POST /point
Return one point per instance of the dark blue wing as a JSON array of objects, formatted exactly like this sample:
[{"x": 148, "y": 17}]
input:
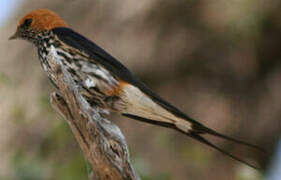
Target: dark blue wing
[{"x": 74, "y": 39}]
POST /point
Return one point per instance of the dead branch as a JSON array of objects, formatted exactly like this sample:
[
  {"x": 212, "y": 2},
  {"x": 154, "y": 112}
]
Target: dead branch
[{"x": 101, "y": 140}]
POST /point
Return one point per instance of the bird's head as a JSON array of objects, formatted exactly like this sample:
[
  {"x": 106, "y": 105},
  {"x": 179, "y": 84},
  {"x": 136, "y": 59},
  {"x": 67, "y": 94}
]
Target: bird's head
[{"x": 35, "y": 23}]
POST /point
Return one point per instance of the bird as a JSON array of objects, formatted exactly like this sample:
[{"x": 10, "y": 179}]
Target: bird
[{"x": 105, "y": 82}]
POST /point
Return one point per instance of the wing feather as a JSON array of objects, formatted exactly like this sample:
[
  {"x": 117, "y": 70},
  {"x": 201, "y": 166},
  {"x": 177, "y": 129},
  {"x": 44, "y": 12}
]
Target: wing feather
[{"x": 96, "y": 53}]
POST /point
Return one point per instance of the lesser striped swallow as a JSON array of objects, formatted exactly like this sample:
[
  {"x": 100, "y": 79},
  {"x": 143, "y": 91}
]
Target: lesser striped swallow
[{"x": 105, "y": 82}]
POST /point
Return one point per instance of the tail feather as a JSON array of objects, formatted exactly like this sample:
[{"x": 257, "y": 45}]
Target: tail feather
[
  {"x": 204, "y": 130},
  {"x": 208, "y": 143},
  {"x": 159, "y": 123},
  {"x": 195, "y": 132}
]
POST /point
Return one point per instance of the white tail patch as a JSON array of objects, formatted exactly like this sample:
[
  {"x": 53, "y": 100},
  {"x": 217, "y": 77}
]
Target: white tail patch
[{"x": 139, "y": 104}]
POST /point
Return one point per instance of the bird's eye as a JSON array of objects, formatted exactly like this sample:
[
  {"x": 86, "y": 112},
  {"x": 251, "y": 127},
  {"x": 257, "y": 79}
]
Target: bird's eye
[{"x": 27, "y": 23}]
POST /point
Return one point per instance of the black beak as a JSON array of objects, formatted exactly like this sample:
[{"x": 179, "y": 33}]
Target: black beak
[{"x": 15, "y": 36}]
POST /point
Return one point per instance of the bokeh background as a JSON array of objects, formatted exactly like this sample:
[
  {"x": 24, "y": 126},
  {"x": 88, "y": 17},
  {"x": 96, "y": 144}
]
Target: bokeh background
[{"x": 219, "y": 61}]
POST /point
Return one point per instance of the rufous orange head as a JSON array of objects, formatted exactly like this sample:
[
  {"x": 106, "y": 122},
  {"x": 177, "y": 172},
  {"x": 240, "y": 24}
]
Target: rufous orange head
[{"x": 36, "y": 22}]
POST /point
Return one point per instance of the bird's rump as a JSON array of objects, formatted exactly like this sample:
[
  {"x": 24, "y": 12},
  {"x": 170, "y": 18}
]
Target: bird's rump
[{"x": 141, "y": 105}]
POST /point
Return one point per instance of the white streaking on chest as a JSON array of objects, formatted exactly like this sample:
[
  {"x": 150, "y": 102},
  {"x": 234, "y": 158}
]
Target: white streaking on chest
[{"x": 90, "y": 73}]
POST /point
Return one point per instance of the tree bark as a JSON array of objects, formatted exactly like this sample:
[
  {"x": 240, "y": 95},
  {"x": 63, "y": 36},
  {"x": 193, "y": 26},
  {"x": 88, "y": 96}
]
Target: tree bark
[{"x": 101, "y": 140}]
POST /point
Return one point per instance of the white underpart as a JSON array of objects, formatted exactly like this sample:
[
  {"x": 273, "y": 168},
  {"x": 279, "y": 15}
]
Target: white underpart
[
  {"x": 44, "y": 67},
  {"x": 89, "y": 83},
  {"x": 52, "y": 56},
  {"x": 53, "y": 53},
  {"x": 139, "y": 104}
]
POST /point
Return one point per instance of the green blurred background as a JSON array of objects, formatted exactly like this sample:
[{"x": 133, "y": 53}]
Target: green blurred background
[{"x": 217, "y": 60}]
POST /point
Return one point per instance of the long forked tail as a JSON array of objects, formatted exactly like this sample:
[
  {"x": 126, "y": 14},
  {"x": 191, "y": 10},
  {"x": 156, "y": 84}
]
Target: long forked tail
[
  {"x": 196, "y": 132},
  {"x": 200, "y": 129},
  {"x": 208, "y": 143}
]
